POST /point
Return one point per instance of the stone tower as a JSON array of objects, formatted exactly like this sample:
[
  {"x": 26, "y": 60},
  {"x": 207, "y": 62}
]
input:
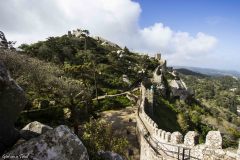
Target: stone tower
[{"x": 158, "y": 56}]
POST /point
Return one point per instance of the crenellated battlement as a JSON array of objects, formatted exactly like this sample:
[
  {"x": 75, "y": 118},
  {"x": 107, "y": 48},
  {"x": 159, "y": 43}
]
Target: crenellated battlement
[{"x": 156, "y": 142}]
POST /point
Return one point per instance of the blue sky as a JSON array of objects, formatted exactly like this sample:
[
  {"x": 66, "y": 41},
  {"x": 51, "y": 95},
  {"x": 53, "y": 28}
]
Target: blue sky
[
  {"x": 199, "y": 33},
  {"x": 220, "y": 18}
]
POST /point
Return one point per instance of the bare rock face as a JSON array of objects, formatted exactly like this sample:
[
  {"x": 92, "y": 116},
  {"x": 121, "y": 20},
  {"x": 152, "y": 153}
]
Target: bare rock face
[
  {"x": 34, "y": 129},
  {"x": 12, "y": 102},
  {"x": 214, "y": 140},
  {"x": 37, "y": 127},
  {"x": 56, "y": 144}
]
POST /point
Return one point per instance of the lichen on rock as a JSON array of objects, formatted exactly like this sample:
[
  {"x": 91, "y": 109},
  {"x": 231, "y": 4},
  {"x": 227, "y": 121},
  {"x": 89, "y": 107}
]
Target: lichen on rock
[{"x": 56, "y": 144}]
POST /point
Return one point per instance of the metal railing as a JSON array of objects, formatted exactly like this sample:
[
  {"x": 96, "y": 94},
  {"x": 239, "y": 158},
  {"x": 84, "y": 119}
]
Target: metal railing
[{"x": 182, "y": 153}]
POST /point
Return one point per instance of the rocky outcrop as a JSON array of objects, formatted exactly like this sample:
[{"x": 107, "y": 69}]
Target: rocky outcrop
[
  {"x": 12, "y": 102},
  {"x": 34, "y": 129},
  {"x": 37, "y": 127},
  {"x": 55, "y": 144}
]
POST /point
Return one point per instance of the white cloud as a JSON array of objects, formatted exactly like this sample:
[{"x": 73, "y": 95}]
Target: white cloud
[
  {"x": 116, "y": 20},
  {"x": 156, "y": 36}
]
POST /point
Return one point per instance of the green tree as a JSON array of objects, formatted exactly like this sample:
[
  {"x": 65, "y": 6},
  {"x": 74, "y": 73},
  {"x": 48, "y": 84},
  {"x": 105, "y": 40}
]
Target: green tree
[
  {"x": 72, "y": 93},
  {"x": 44, "y": 52},
  {"x": 99, "y": 135}
]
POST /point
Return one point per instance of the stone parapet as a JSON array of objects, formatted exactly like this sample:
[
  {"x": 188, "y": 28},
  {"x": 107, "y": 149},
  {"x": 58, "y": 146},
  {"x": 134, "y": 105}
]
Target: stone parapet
[
  {"x": 160, "y": 143},
  {"x": 214, "y": 140},
  {"x": 176, "y": 138},
  {"x": 191, "y": 138}
]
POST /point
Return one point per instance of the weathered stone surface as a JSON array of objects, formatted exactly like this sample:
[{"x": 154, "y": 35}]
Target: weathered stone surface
[
  {"x": 159, "y": 133},
  {"x": 110, "y": 155},
  {"x": 238, "y": 151},
  {"x": 57, "y": 144},
  {"x": 203, "y": 152},
  {"x": 176, "y": 138},
  {"x": 154, "y": 143},
  {"x": 168, "y": 137},
  {"x": 214, "y": 154},
  {"x": 191, "y": 138},
  {"x": 214, "y": 140},
  {"x": 163, "y": 135},
  {"x": 34, "y": 129},
  {"x": 230, "y": 155},
  {"x": 12, "y": 101},
  {"x": 198, "y": 151}
]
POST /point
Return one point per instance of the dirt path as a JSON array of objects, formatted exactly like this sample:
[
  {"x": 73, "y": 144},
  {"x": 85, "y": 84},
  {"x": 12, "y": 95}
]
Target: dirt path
[{"x": 124, "y": 123}]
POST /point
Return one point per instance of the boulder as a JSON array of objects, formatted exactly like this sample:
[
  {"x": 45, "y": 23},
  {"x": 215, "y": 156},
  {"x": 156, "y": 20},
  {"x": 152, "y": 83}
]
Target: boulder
[
  {"x": 34, "y": 129},
  {"x": 56, "y": 144},
  {"x": 12, "y": 102},
  {"x": 109, "y": 155}
]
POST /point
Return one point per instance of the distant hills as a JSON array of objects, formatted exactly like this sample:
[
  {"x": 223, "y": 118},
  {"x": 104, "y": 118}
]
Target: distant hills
[
  {"x": 206, "y": 71},
  {"x": 190, "y": 72}
]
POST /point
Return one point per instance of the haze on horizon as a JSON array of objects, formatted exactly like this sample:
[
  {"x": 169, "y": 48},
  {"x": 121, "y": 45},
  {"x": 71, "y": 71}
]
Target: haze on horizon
[{"x": 188, "y": 33}]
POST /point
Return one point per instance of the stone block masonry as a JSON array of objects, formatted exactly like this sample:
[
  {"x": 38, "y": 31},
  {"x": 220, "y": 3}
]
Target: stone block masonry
[
  {"x": 191, "y": 138},
  {"x": 157, "y": 143}
]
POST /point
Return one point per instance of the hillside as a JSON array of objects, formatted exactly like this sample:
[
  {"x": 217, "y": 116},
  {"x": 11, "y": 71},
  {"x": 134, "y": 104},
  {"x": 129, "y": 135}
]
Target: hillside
[
  {"x": 70, "y": 79},
  {"x": 79, "y": 56},
  {"x": 211, "y": 72},
  {"x": 53, "y": 72},
  {"x": 190, "y": 72},
  {"x": 63, "y": 77},
  {"x": 221, "y": 97}
]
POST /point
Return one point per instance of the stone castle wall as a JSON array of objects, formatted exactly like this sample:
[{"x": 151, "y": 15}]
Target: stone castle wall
[
  {"x": 157, "y": 143},
  {"x": 105, "y": 42}
]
